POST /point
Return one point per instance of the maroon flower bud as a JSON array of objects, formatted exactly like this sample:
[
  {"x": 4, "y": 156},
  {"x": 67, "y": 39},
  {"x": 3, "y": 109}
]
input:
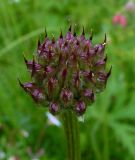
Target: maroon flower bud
[
  {"x": 76, "y": 79},
  {"x": 100, "y": 62},
  {"x": 80, "y": 108},
  {"x": 37, "y": 95},
  {"x": 88, "y": 74},
  {"x": 32, "y": 65},
  {"x": 54, "y": 108},
  {"x": 27, "y": 86},
  {"x": 34, "y": 91},
  {"x": 102, "y": 76},
  {"x": 51, "y": 84},
  {"x": 88, "y": 93},
  {"x": 66, "y": 95},
  {"x": 48, "y": 70},
  {"x": 69, "y": 34},
  {"x": 66, "y": 70},
  {"x": 99, "y": 49},
  {"x": 64, "y": 74}
]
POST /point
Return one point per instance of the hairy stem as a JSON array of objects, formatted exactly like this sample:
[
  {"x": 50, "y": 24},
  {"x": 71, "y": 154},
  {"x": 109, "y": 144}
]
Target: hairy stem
[{"x": 71, "y": 128}]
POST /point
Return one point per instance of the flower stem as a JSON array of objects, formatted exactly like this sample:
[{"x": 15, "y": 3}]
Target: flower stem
[{"x": 71, "y": 128}]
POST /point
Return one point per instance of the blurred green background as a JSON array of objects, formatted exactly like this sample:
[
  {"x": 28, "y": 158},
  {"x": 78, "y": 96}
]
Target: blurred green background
[{"x": 108, "y": 130}]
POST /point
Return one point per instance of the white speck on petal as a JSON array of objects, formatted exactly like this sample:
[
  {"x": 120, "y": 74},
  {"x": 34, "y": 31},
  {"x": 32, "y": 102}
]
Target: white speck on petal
[
  {"x": 53, "y": 120},
  {"x": 81, "y": 118}
]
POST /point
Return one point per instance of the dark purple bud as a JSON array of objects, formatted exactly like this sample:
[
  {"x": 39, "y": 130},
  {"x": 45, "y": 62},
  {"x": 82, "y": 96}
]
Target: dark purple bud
[
  {"x": 92, "y": 52},
  {"x": 100, "y": 62},
  {"x": 80, "y": 108},
  {"x": 69, "y": 36},
  {"x": 48, "y": 69},
  {"x": 60, "y": 42},
  {"x": 51, "y": 84},
  {"x": 87, "y": 45},
  {"x": 88, "y": 74},
  {"x": 37, "y": 95},
  {"x": 88, "y": 93},
  {"x": 77, "y": 43},
  {"x": 73, "y": 59},
  {"x": 49, "y": 55},
  {"x": 64, "y": 73},
  {"x": 27, "y": 86},
  {"x": 66, "y": 95},
  {"x": 35, "y": 92},
  {"x": 32, "y": 65},
  {"x": 76, "y": 79},
  {"x": 54, "y": 108},
  {"x": 99, "y": 49},
  {"x": 102, "y": 77}
]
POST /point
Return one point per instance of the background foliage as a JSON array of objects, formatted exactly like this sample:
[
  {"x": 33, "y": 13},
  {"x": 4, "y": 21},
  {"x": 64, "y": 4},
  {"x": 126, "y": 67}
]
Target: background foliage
[{"x": 108, "y": 131}]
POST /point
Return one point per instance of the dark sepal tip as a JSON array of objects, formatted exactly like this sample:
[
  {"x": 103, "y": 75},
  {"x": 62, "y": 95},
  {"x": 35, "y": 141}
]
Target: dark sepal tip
[
  {"x": 53, "y": 39},
  {"x": 109, "y": 73},
  {"x": 105, "y": 59},
  {"x": 25, "y": 60},
  {"x": 20, "y": 83},
  {"x": 91, "y": 35},
  {"x": 45, "y": 33},
  {"x": 61, "y": 35},
  {"x": 39, "y": 43},
  {"x": 83, "y": 32},
  {"x": 74, "y": 34},
  {"x": 105, "y": 39},
  {"x": 70, "y": 27}
]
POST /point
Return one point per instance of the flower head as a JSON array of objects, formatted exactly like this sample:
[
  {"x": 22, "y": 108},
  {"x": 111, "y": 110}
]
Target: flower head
[
  {"x": 67, "y": 73},
  {"x": 120, "y": 19},
  {"x": 130, "y": 6}
]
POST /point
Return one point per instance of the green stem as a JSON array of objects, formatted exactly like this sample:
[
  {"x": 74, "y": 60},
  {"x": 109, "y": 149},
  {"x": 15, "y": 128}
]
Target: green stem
[
  {"x": 106, "y": 140},
  {"x": 72, "y": 135}
]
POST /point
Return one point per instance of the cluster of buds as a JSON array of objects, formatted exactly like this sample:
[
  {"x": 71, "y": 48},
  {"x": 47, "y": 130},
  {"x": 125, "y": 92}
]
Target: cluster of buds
[{"x": 67, "y": 73}]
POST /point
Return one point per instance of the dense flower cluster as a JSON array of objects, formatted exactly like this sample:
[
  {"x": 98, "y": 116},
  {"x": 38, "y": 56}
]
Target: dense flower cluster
[{"x": 67, "y": 72}]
